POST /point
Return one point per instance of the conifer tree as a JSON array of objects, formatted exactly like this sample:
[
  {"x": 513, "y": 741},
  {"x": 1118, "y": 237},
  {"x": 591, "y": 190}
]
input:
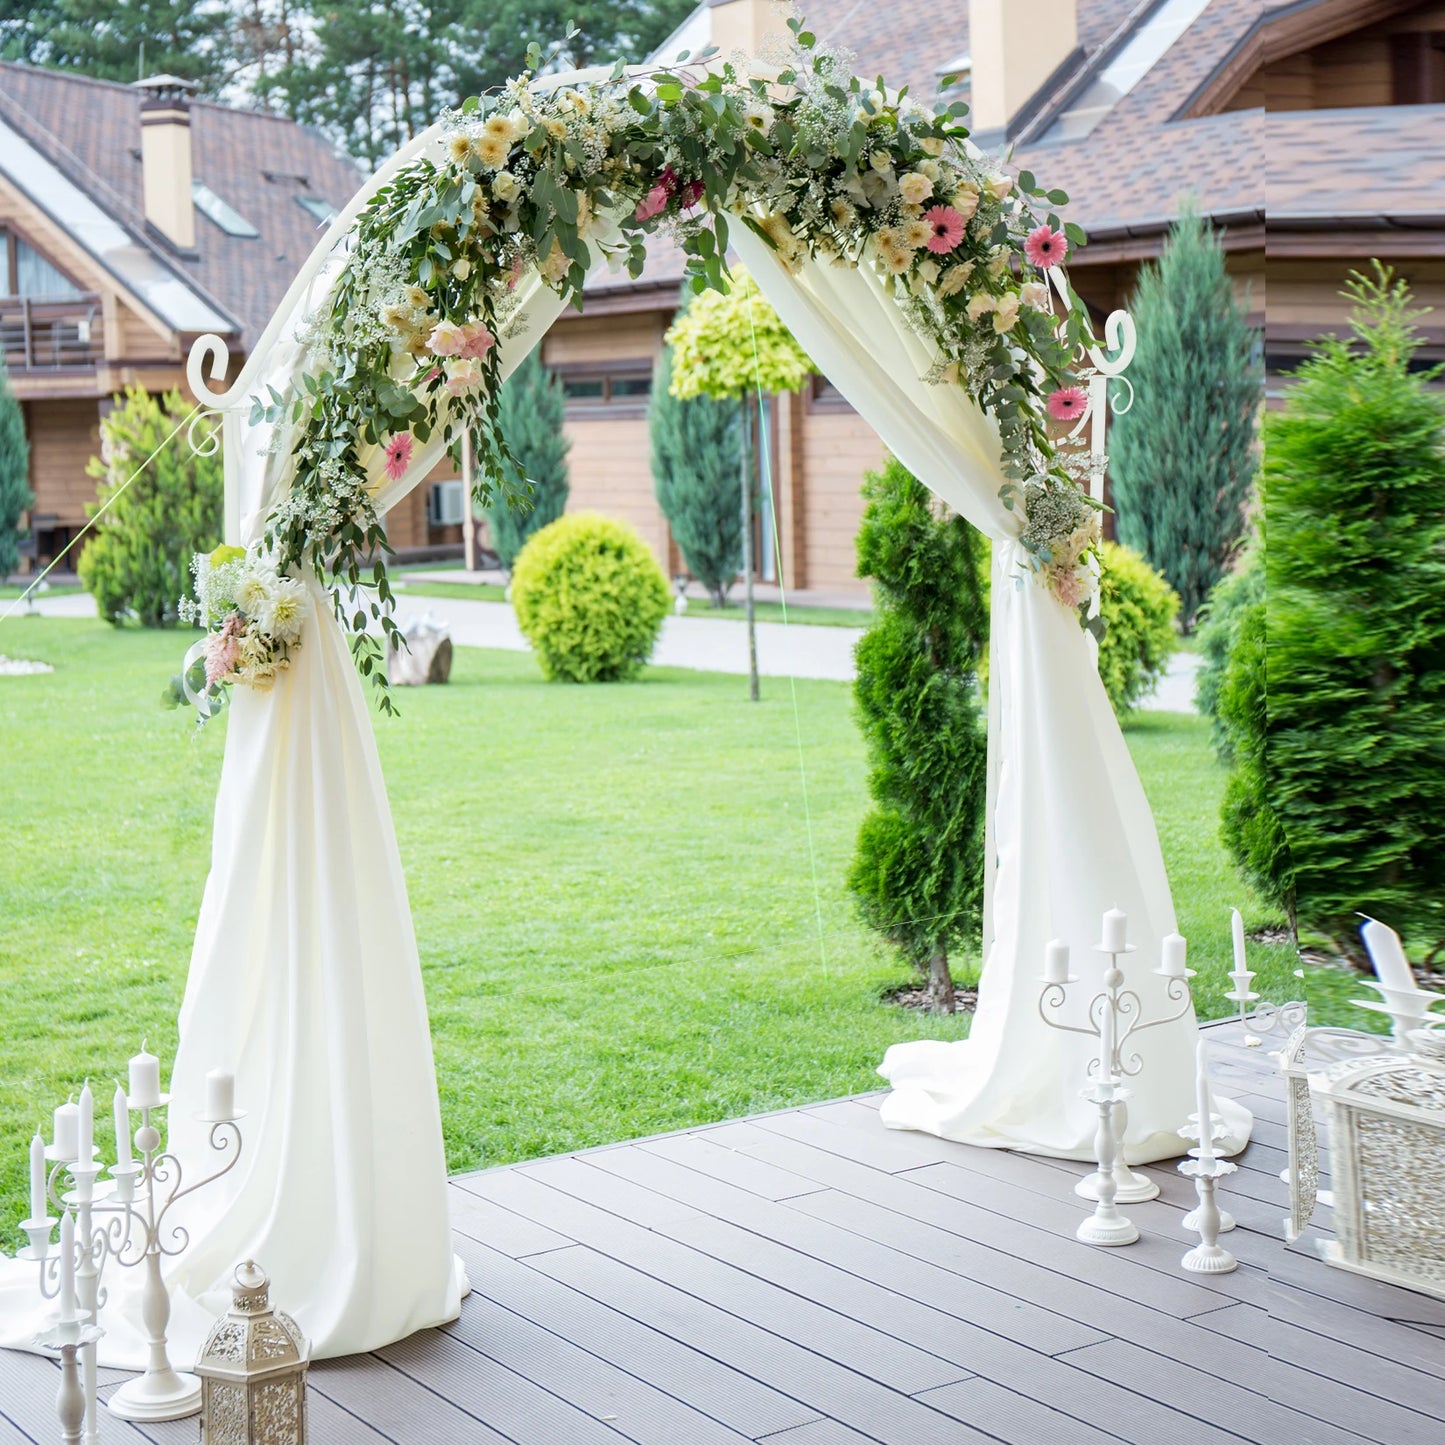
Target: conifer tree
[
  {"x": 1183, "y": 456},
  {"x": 15, "y": 494},
  {"x": 696, "y": 459},
  {"x": 917, "y": 873},
  {"x": 532, "y": 412},
  {"x": 1354, "y": 479}
]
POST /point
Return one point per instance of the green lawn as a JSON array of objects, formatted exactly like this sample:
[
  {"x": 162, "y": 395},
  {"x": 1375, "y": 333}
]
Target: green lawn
[
  {"x": 414, "y": 586},
  {"x": 611, "y": 889}
]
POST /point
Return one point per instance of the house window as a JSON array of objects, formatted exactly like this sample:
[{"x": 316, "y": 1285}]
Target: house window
[
  {"x": 28, "y": 273},
  {"x": 319, "y": 208},
  {"x": 225, "y": 215},
  {"x": 444, "y": 504},
  {"x": 615, "y": 388},
  {"x": 824, "y": 396}
]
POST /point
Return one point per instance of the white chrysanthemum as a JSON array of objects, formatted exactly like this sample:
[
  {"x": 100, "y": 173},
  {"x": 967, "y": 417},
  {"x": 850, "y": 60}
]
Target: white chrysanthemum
[
  {"x": 492, "y": 151},
  {"x": 254, "y": 587},
  {"x": 501, "y": 127},
  {"x": 285, "y": 613},
  {"x": 842, "y": 212}
]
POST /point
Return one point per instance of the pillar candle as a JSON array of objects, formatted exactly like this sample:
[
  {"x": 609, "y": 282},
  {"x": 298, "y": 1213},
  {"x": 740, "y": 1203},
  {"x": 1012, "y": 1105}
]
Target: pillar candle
[
  {"x": 85, "y": 1132},
  {"x": 145, "y": 1080},
  {"x": 1116, "y": 931},
  {"x": 1056, "y": 962},
  {"x": 38, "y": 1200},
  {"x": 1206, "y": 1114},
  {"x": 67, "y": 1266},
  {"x": 122, "y": 1127},
  {"x": 220, "y": 1094},
  {"x": 1172, "y": 955},
  {"x": 67, "y": 1132},
  {"x": 1236, "y": 926}
]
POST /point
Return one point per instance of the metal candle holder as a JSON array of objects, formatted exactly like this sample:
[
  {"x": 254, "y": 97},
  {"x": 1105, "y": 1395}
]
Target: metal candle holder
[
  {"x": 135, "y": 1204},
  {"x": 1115, "y": 1014}
]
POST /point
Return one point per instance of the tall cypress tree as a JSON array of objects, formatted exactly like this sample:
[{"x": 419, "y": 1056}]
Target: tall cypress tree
[
  {"x": 917, "y": 873},
  {"x": 1355, "y": 580},
  {"x": 532, "y": 412},
  {"x": 696, "y": 457},
  {"x": 1183, "y": 456},
  {"x": 15, "y": 493}
]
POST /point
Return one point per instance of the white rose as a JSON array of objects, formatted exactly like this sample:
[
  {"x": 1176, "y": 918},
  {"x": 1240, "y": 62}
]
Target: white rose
[
  {"x": 1006, "y": 313},
  {"x": 881, "y": 162},
  {"x": 979, "y": 304},
  {"x": 998, "y": 185},
  {"x": 915, "y": 188},
  {"x": 504, "y": 186},
  {"x": 1035, "y": 294}
]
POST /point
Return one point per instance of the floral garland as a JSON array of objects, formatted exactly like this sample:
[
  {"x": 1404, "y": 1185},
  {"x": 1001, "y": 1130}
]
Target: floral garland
[{"x": 817, "y": 163}]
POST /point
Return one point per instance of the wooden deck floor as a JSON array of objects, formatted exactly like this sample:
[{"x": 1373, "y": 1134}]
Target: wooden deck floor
[{"x": 810, "y": 1278}]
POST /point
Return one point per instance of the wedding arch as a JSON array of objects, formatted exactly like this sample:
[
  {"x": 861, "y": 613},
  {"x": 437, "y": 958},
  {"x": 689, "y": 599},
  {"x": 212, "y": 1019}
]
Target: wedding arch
[{"x": 926, "y": 283}]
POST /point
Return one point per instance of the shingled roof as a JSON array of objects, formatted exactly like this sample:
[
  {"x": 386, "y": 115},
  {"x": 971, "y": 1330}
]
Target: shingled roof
[{"x": 258, "y": 163}]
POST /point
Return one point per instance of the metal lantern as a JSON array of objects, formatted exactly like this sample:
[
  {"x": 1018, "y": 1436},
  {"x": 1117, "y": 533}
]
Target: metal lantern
[{"x": 253, "y": 1371}]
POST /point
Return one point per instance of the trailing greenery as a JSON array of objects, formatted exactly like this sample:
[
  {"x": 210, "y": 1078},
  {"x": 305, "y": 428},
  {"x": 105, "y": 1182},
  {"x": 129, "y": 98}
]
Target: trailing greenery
[
  {"x": 1355, "y": 487},
  {"x": 917, "y": 873},
  {"x": 697, "y": 462},
  {"x": 532, "y": 411},
  {"x": 1138, "y": 607},
  {"x": 1183, "y": 456},
  {"x": 15, "y": 494},
  {"x": 590, "y": 598},
  {"x": 1220, "y": 620},
  {"x": 138, "y": 558}
]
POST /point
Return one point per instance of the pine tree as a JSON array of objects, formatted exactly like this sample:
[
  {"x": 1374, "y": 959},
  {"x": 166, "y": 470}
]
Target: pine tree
[
  {"x": 532, "y": 411},
  {"x": 1355, "y": 576},
  {"x": 696, "y": 460},
  {"x": 1183, "y": 456},
  {"x": 15, "y": 493},
  {"x": 917, "y": 873},
  {"x": 127, "y": 40},
  {"x": 138, "y": 559}
]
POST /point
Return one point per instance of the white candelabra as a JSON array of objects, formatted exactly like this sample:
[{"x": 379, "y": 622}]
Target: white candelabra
[
  {"x": 1206, "y": 1169},
  {"x": 1114, "y": 1015},
  {"x": 124, "y": 1219}
]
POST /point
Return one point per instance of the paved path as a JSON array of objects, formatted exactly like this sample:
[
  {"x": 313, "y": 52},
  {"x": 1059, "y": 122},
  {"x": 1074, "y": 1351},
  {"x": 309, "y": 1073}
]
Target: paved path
[{"x": 706, "y": 644}]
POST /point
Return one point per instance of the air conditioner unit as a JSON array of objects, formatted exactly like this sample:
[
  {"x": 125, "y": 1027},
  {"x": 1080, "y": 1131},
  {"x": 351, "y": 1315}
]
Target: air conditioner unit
[{"x": 446, "y": 504}]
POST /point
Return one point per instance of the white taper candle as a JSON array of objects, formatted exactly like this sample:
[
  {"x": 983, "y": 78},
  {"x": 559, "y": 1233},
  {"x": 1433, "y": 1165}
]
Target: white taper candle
[
  {"x": 38, "y": 1201},
  {"x": 122, "y": 1127},
  {"x": 1206, "y": 1114},
  {"x": 85, "y": 1128},
  {"x": 1236, "y": 928},
  {"x": 67, "y": 1267}
]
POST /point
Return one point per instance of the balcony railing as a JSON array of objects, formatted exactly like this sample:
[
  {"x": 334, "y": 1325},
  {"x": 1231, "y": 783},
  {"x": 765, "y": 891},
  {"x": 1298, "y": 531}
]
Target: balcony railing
[{"x": 59, "y": 335}]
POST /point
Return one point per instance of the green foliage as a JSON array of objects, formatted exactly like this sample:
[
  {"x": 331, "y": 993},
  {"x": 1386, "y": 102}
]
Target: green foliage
[
  {"x": 531, "y": 414},
  {"x": 733, "y": 344},
  {"x": 15, "y": 494},
  {"x": 1355, "y": 482},
  {"x": 1183, "y": 456},
  {"x": 590, "y": 598},
  {"x": 1219, "y": 624},
  {"x": 697, "y": 462},
  {"x": 1138, "y": 607},
  {"x": 1250, "y": 828},
  {"x": 917, "y": 873},
  {"x": 138, "y": 559}
]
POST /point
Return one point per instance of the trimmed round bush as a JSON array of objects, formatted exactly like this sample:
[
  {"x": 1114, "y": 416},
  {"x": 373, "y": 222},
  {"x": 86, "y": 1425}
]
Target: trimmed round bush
[
  {"x": 1138, "y": 607},
  {"x": 590, "y": 598}
]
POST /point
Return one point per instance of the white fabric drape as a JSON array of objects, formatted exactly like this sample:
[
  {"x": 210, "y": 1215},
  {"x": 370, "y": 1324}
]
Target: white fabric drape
[{"x": 1070, "y": 831}]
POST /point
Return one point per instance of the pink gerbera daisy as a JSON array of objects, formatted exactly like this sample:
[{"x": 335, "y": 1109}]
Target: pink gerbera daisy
[
  {"x": 1045, "y": 247},
  {"x": 398, "y": 455},
  {"x": 1067, "y": 403},
  {"x": 947, "y": 227}
]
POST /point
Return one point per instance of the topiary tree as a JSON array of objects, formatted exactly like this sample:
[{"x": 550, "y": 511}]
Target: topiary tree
[
  {"x": 1138, "y": 607},
  {"x": 15, "y": 494},
  {"x": 137, "y": 562},
  {"x": 697, "y": 455},
  {"x": 1183, "y": 458},
  {"x": 733, "y": 345},
  {"x": 531, "y": 417},
  {"x": 1355, "y": 484},
  {"x": 590, "y": 598},
  {"x": 917, "y": 872}
]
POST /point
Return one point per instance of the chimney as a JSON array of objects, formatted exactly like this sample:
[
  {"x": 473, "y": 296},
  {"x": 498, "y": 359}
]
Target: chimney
[
  {"x": 165, "y": 153},
  {"x": 744, "y": 24},
  {"x": 1015, "y": 45}
]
